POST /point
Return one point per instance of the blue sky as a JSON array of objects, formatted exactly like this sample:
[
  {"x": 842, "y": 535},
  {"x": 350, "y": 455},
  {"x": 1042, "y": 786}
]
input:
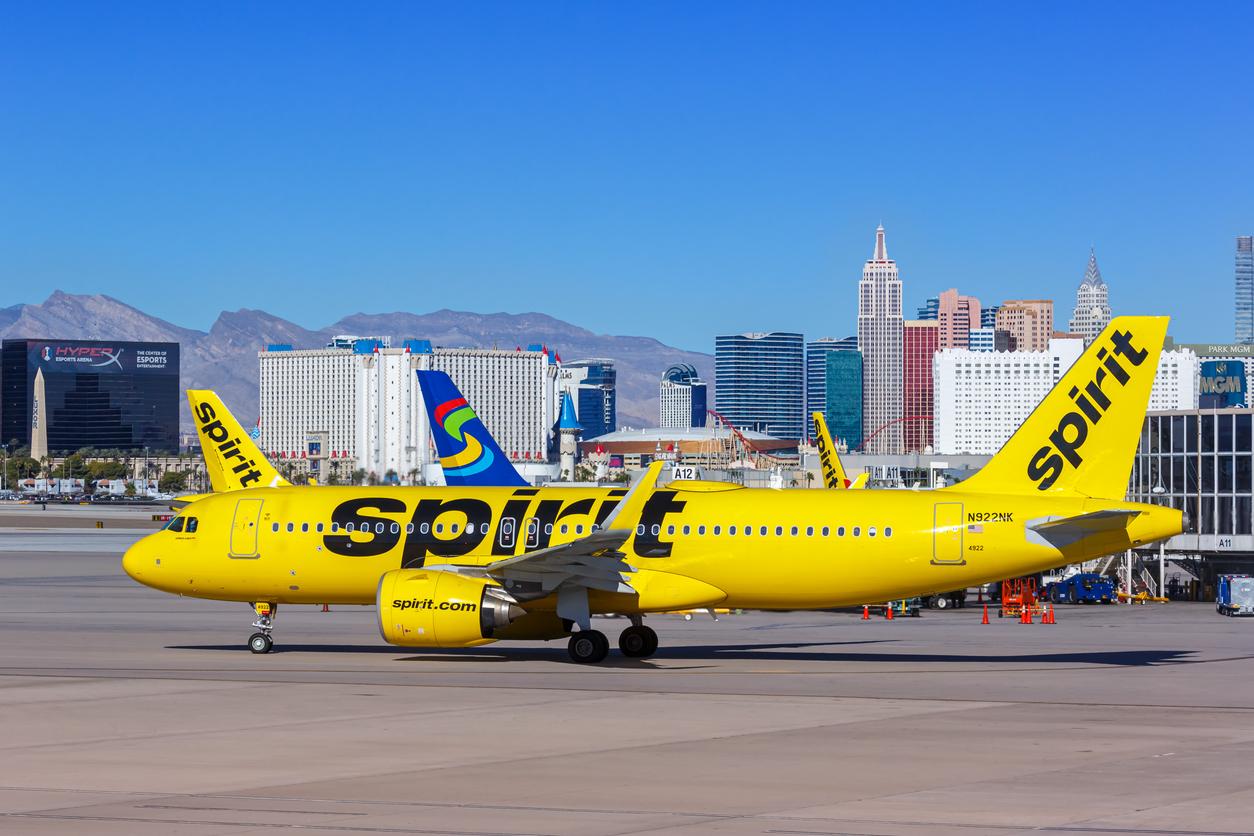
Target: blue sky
[{"x": 676, "y": 170}]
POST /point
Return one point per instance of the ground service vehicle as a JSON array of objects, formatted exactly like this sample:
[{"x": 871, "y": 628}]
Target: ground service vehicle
[
  {"x": 1082, "y": 588},
  {"x": 464, "y": 566},
  {"x": 1235, "y": 595}
]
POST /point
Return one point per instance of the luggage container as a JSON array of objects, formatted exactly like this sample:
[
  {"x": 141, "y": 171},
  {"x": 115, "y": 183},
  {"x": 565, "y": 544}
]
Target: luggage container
[{"x": 1236, "y": 595}]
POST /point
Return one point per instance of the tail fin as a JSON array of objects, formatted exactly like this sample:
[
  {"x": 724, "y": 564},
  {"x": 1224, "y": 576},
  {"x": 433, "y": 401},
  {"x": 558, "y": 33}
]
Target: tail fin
[
  {"x": 232, "y": 458},
  {"x": 833, "y": 472},
  {"x": 468, "y": 453},
  {"x": 1082, "y": 437}
]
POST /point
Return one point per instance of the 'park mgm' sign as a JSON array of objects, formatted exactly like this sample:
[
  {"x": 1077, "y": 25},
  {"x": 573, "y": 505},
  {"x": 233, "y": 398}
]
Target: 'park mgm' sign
[{"x": 1222, "y": 384}]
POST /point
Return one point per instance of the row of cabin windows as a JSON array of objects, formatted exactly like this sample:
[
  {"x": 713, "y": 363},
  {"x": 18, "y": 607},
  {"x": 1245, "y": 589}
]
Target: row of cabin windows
[
  {"x": 564, "y": 528},
  {"x": 765, "y": 531}
]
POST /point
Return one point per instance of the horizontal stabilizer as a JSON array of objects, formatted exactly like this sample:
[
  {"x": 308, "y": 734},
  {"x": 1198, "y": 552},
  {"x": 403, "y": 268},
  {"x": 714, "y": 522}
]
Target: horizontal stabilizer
[{"x": 1066, "y": 531}]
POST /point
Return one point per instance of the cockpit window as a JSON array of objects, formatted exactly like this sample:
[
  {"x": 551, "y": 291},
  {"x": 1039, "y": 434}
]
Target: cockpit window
[
  {"x": 175, "y": 524},
  {"x": 192, "y": 523}
]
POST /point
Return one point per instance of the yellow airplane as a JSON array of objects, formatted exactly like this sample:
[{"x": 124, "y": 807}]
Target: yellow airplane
[{"x": 460, "y": 567}]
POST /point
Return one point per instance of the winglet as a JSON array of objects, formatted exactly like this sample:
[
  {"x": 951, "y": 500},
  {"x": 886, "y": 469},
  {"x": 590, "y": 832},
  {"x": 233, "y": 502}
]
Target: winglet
[
  {"x": 833, "y": 472},
  {"x": 633, "y": 503},
  {"x": 232, "y": 458}
]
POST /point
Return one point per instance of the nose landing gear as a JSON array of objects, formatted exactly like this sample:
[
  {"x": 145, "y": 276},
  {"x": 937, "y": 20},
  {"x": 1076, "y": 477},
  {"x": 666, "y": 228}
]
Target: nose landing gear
[{"x": 261, "y": 642}]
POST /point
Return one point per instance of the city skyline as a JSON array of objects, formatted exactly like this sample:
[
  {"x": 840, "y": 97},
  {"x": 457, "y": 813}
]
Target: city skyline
[{"x": 421, "y": 158}]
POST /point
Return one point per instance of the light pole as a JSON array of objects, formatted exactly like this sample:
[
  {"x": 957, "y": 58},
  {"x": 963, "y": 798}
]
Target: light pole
[{"x": 146, "y": 491}]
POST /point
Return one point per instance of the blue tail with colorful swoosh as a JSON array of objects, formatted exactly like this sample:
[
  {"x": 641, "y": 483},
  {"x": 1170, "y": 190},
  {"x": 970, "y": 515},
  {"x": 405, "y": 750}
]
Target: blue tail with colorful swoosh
[{"x": 468, "y": 454}]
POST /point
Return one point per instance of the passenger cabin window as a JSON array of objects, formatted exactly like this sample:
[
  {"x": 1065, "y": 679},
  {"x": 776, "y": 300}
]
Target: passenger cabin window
[
  {"x": 870, "y": 532},
  {"x": 319, "y": 528},
  {"x": 856, "y": 531},
  {"x": 335, "y": 527},
  {"x": 275, "y": 527},
  {"x": 304, "y": 527},
  {"x": 396, "y": 528},
  {"x": 888, "y": 532},
  {"x": 826, "y": 531},
  {"x": 700, "y": 530},
  {"x": 718, "y": 529},
  {"x": 840, "y": 531},
  {"x": 779, "y": 531},
  {"x": 809, "y": 531},
  {"x": 762, "y": 531},
  {"x": 292, "y": 527},
  {"x": 175, "y": 524},
  {"x": 730, "y": 530}
]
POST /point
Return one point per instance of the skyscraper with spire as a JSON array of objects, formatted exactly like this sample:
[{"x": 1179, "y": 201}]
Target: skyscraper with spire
[
  {"x": 879, "y": 339},
  {"x": 1092, "y": 303}
]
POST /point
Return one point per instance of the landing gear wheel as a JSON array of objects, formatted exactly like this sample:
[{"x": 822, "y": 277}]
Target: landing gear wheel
[
  {"x": 260, "y": 643},
  {"x": 638, "y": 642},
  {"x": 942, "y": 602},
  {"x": 587, "y": 647}
]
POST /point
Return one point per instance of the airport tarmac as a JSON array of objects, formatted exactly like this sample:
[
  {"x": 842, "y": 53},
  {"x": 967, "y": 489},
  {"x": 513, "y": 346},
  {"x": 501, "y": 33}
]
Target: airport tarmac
[{"x": 127, "y": 711}]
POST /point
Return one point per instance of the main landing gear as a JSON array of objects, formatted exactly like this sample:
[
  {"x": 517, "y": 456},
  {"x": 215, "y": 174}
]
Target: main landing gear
[
  {"x": 589, "y": 647},
  {"x": 261, "y": 642}
]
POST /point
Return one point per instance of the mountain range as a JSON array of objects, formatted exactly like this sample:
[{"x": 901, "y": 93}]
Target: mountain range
[{"x": 225, "y": 357}]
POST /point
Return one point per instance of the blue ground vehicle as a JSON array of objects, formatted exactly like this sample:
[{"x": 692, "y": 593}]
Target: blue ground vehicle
[
  {"x": 1084, "y": 588},
  {"x": 1236, "y": 595}
]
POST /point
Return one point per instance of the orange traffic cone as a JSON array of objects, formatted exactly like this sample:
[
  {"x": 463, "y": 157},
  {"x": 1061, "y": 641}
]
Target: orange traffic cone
[
  {"x": 326, "y": 608},
  {"x": 1052, "y": 620},
  {"x": 984, "y": 620},
  {"x": 866, "y": 613},
  {"x": 888, "y": 610}
]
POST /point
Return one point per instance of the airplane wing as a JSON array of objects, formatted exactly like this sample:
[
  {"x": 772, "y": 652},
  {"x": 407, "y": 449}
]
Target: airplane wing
[{"x": 1065, "y": 531}]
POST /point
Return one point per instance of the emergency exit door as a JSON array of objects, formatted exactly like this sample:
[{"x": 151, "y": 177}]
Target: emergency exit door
[
  {"x": 947, "y": 528},
  {"x": 244, "y": 528}
]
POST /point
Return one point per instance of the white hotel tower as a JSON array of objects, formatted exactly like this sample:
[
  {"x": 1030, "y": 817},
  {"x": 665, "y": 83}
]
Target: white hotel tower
[{"x": 879, "y": 339}]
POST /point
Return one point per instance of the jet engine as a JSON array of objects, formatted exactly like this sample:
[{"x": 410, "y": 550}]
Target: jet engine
[{"x": 428, "y": 608}]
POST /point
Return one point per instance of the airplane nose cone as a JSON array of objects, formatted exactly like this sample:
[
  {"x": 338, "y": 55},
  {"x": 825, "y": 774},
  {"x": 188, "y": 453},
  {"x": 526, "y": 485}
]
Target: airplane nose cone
[{"x": 131, "y": 563}]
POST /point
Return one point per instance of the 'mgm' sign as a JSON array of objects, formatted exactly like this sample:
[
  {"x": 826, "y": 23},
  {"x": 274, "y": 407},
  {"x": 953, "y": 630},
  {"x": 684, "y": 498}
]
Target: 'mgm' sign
[{"x": 1222, "y": 384}]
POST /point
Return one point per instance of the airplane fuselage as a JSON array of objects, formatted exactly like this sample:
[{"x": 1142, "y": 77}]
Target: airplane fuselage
[{"x": 693, "y": 543}]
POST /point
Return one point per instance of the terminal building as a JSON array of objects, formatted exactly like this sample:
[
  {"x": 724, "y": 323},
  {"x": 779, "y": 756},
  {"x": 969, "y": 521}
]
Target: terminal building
[
  {"x": 60, "y": 396},
  {"x": 1201, "y": 461}
]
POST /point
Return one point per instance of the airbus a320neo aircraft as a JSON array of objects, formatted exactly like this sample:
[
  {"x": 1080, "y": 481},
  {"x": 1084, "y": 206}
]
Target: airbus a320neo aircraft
[{"x": 464, "y": 566}]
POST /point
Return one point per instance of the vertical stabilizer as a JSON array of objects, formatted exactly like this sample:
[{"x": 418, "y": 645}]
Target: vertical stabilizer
[
  {"x": 1082, "y": 437},
  {"x": 232, "y": 458},
  {"x": 833, "y": 471},
  {"x": 468, "y": 454}
]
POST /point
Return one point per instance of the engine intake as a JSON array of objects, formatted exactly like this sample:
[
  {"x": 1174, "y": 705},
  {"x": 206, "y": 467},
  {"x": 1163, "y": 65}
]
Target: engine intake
[{"x": 426, "y": 608}]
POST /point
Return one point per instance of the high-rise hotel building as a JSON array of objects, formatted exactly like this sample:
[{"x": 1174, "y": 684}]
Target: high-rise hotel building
[
  {"x": 879, "y": 339},
  {"x": 816, "y": 370},
  {"x": 920, "y": 340},
  {"x": 759, "y": 382},
  {"x": 957, "y": 315},
  {"x": 1245, "y": 289}
]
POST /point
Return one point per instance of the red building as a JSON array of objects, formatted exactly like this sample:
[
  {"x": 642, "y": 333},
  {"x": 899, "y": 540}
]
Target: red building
[{"x": 920, "y": 339}]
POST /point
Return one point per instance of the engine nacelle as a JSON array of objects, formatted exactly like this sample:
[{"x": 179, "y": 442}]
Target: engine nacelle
[{"x": 426, "y": 608}]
